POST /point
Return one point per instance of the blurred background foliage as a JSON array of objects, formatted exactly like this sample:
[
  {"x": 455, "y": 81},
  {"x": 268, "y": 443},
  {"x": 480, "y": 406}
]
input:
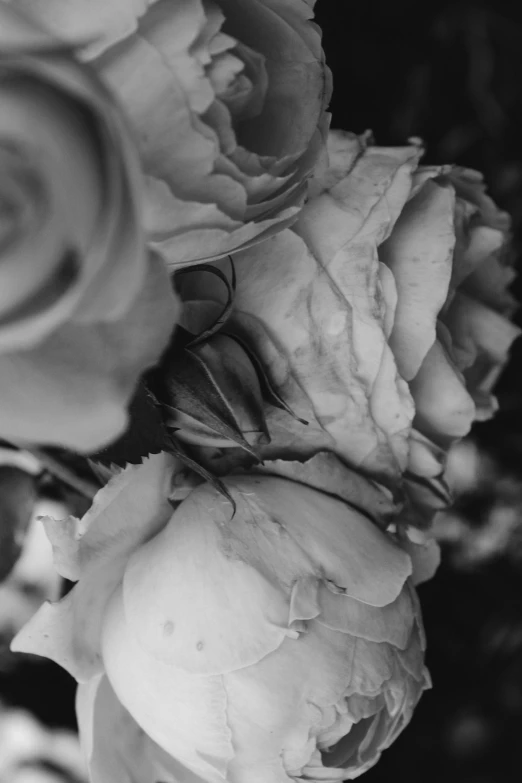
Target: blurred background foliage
[{"x": 451, "y": 73}]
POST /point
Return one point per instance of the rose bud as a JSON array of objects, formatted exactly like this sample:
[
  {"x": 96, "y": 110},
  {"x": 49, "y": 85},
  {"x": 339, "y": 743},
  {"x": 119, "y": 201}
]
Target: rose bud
[
  {"x": 228, "y": 103},
  {"x": 279, "y": 642},
  {"x": 76, "y": 283},
  {"x": 216, "y": 396}
]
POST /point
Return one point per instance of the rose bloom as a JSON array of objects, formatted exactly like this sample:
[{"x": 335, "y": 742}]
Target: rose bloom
[
  {"x": 227, "y": 99},
  {"x": 83, "y": 308},
  {"x": 382, "y": 316},
  {"x": 280, "y": 642}
]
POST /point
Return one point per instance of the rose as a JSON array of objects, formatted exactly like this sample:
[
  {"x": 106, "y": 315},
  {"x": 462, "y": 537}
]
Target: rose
[
  {"x": 387, "y": 300},
  {"x": 76, "y": 285},
  {"x": 227, "y": 99},
  {"x": 282, "y": 641},
  {"x": 451, "y": 331}
]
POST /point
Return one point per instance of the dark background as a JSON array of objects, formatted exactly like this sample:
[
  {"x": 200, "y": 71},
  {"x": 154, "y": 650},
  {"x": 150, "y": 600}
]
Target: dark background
[{"x": 450, "y": 73}]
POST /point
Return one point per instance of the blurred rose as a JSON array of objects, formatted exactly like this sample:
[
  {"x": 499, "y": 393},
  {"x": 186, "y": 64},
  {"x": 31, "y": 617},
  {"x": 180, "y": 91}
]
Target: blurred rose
[
  {"x": 31, "y": 753},
  {"x": 33, "y": 579},
  {"x": 83, "y": 311},
  {"x": 281, "y": 642},
  {"x": 228, "y": 101}
]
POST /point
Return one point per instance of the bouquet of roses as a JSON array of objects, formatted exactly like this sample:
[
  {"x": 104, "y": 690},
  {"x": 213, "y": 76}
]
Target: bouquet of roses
[{"x": 258, "y": 338}]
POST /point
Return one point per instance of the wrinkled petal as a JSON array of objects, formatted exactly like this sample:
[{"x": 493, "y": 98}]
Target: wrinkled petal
[
  {"x": 318, "y": 357},
  {"x": 320, "y": 299}
]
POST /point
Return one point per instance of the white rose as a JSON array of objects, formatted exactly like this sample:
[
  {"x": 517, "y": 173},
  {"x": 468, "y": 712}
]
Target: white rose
[
  {"x": 282, "y": 642},
  {"x": 77, "y": 285},
  {"x": 228, "y": 102}
]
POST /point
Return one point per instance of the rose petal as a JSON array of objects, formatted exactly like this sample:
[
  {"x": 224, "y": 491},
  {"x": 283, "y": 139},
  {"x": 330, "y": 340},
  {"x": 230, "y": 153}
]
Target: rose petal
[
  {"x": 419, "y": 253},
  {"x": 114, "y": 745},
  {"x": 327, "y": 473},
  {"x": 444, "y": 409},
  {"x": 285, "y": 686},
  {"x": 84, "y": 282},
  {"x": 478, "y": 330},
  {"x": 185, "y": 715},
  {"x": 177, "y": 584},
  {"x": 327, "y": 354},
  {"x": 96, "y": 25},
  {"x": 425, "y": 557},
  {"x": 73, "y": 389},
  {"x": 132, "y": 507},
  {"x": 490, "y": 282},
  {"x": 298, "y": 84},
  {"x": 391, "y": 623}
]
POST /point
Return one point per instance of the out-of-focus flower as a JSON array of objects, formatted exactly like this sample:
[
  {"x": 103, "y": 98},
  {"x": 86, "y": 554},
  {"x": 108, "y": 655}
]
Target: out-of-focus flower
[
  {"x": 484, "y": 524},
  {"x": 83, "y": 309},
  {"x": 382, "y": 316},
  {"x": 33, "y": 579},
  {"x": 17, "y": 499},
  {"x": 30, "y": 753},
  {"x": 228, "y": 102},
  {"x": 281, "y": 642}
]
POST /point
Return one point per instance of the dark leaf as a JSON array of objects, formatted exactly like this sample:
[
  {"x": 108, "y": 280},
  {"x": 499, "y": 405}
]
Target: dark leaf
[{"x": 145, "y": 435}]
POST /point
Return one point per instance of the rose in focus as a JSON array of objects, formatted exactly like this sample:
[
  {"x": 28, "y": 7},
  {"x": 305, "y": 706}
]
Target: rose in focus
[
  {"x": 282, "y": 642},
  {"x": 382, "y": 316},
  {"x": 228, "y": 101},
  {"x": 83, "y": 308}
]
